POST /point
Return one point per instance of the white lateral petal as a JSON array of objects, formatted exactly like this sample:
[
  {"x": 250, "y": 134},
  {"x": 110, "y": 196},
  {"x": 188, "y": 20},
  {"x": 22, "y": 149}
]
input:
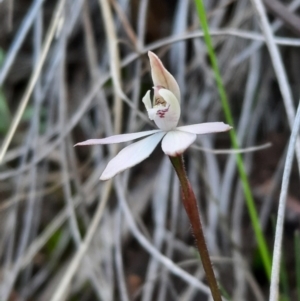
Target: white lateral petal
[
  {"x": 166, "y": 117},
  {"x": 161, "y": 76},
  {"x": 205, "y": 128},
  {"x": 147, "y": 101},
  {"x": 176, "y": 142},
  {"x": 131, "y": 155},
  {"x": 118, "y": 138}
]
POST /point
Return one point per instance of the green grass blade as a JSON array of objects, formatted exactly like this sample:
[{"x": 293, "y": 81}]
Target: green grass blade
[
  {"x": 224, "y": 292},
  {"x": 284, "y": 279},
  {"x": 297, "y": 255},
  {"x": 4, "y": 110},
  {"x": 229, "y": 119},
  {"x": 284, "y": 282}
]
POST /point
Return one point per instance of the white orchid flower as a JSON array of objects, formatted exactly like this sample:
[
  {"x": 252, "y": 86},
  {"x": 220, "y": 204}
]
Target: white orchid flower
[{"x": 164, "y": 110}]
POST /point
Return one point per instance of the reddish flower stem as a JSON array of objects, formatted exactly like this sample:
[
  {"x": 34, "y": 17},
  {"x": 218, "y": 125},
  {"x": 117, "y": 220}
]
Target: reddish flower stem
[{"x": 191, "y": 208}]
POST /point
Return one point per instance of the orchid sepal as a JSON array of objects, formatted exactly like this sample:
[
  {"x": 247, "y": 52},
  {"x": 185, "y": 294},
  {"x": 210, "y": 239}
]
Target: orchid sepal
[{"x": 162, "y": 77}]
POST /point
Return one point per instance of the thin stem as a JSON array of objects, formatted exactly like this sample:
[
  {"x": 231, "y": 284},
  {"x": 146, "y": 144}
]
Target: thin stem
[
  {"x": 190, "y": 205},
  {"x": 274, "y": 290}
]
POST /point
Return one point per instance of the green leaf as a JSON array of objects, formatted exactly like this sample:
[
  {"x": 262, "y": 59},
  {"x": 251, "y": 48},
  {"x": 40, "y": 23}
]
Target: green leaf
[{"x": 262, "y": 245}]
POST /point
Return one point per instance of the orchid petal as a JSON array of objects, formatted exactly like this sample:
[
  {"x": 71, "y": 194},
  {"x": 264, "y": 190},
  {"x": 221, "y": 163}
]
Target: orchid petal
[
  {"x": 162, "y": 77},
  {"x": 176, "y": 142},
  {"x": 166, "y": 117},
  {"x": 147, "y": 101},
  {"x": 131, "y": 155},
  {"x": 205, "y": 128},
  {"x": 118, "y": 138}
]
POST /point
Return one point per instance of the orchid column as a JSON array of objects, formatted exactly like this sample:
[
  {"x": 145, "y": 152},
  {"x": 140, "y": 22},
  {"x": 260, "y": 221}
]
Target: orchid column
[{"x": 164, "y": 109}]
